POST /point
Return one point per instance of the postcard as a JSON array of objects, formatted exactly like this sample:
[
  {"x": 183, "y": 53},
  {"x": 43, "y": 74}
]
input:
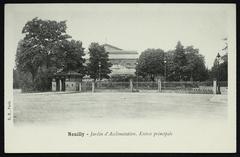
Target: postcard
[{"x": 120, "y": 78}]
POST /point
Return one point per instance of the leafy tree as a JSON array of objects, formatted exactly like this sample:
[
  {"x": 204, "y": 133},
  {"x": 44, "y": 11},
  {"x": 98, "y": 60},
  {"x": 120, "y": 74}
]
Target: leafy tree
[
  {"x": 23, "y": 81},
  {"x": 151, "y": 63},
  {"x": 69, "y": 56},
  {"x": 181, "y": 64},
  {"x": 99, "y": 63},
  {"x": 28, "y": 59},
  {"x": 44, "y": 36},
  {"x": 195, "y": 68},
  {"x": 36, "y": 51},
  {"x": 180, "y": 60}
]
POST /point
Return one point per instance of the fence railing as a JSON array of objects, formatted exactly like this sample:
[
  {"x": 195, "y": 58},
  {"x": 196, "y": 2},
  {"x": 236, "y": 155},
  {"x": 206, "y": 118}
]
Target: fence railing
[
  {"x": 145, "y": 85},
  {"x": 112, "y": 86},
  {"x": 206, "y": 87}
]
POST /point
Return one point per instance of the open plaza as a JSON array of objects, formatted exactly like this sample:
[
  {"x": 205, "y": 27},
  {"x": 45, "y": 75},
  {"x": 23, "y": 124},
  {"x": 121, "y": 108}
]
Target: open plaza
[{"x": 67, "y": 107}]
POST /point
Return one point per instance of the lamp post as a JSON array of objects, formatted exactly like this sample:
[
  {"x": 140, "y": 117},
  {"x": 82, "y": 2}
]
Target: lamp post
[
  {"x": 165, "y": 72},
  {"x": 218, "y": 74},
  {"x": 99, "y": 70}
]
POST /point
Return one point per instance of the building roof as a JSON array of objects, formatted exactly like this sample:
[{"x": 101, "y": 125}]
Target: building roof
[
  {"x": 115, "y": 50},
  {"x": 108, "y": 46},
  {"x": 122, "y": 52},
  {"x": 117, "y": 53}
]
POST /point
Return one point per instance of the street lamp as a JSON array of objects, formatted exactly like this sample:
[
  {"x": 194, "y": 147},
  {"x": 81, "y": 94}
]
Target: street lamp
[
  {"x": 165, "y": 70},
  {"x": 99, "y": 70},
  {"x": 218, "y": 74}
]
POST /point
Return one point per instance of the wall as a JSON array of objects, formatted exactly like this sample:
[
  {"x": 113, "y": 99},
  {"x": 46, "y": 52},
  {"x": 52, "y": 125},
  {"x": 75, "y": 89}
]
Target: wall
[{"x": 71, "y": 86}]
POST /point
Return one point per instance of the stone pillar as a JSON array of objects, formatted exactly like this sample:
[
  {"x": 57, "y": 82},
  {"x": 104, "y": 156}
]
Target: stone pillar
[
  {"x": 80, "y": 86},
  {"x": 131, "y": 85},
  {"x": 60, "y": 85},
  {"x": 214, "y": 86},
  {"x": 54, "y": 85},
  {"x": 93, "y": 86},
  {"x": 159, "y": 85}
]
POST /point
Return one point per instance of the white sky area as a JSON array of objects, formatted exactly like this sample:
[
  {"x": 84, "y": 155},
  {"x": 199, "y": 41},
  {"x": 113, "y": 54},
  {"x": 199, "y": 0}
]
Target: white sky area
[{"x": 130, "y": 26}]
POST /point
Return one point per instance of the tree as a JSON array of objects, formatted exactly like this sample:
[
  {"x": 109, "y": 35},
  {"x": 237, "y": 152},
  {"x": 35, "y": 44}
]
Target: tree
[
  {"x": 180, "y": 60},
  {"x": 23, "y": 81},
  {"x": 195, "y": 68},
  {"x": 69, "y": 55},
  {"x": 44, "y": 36},
  {"x": 184, "y": 64},
  {"x": 151, "y": 63},
  {"x": 35, "y": 51},
  {"x": 28, "y": 59},
  {"x": 99, "y": 64}
]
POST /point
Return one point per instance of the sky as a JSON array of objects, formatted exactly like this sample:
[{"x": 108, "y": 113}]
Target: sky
[{"x": 131, "y": 26}]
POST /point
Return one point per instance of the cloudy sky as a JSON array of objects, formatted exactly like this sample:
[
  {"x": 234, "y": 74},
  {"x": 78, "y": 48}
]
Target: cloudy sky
[{"x": 131, "y": 26}]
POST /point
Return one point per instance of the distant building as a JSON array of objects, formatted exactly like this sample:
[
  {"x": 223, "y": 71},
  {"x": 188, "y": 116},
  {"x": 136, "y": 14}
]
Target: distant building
[{"x": 124, "y": 61}]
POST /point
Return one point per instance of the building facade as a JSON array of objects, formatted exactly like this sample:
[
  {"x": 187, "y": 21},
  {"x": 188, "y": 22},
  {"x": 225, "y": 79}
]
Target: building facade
[{"x": 123, "y": 61}]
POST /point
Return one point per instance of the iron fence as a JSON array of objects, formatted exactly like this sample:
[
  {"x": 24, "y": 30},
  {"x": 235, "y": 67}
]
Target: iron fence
[
  {"x": 111, "y": 85},
  {"x": 145, "y": 85},
  {"x": 86, "y": 86},
  {"x": 205, "y": 87}
]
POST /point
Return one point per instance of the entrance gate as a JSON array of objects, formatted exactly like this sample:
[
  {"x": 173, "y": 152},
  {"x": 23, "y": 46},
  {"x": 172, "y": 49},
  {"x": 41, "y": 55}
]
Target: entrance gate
[{"x": 86, "y": 86}]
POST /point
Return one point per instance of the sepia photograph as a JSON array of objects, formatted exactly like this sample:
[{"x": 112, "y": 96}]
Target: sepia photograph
[{"x": 120, "y": 78}]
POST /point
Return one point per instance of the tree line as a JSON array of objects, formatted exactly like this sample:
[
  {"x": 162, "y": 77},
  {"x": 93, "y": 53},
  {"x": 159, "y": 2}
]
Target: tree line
[
  {"x": 180, "y": 64},
  {"x": 47, "y": 49}
]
